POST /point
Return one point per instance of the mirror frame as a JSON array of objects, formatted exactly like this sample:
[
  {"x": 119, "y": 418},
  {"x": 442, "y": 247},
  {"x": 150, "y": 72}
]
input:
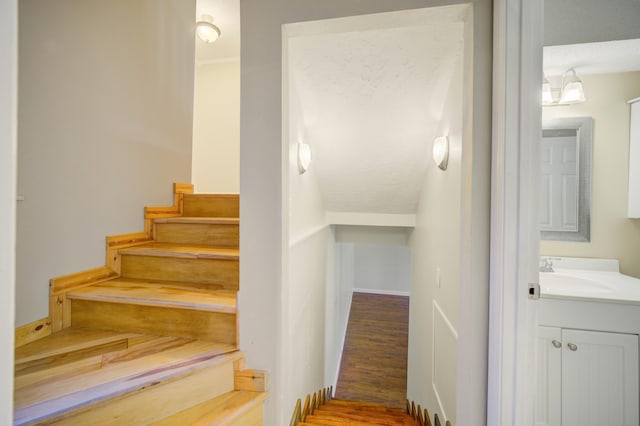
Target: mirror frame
[{"x": 584, "y": 138}]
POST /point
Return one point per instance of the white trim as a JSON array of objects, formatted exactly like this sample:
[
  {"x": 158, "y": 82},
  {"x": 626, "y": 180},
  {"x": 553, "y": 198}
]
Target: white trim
[
  {"x": 436, "y": 308},
  {"x": 8, "y": 179},
  {"x": 514, "y": 222},
  {"x": 371, "y": 219},
  {"x": 386, "y": 292},
  {"x": 344, "y": 337}
]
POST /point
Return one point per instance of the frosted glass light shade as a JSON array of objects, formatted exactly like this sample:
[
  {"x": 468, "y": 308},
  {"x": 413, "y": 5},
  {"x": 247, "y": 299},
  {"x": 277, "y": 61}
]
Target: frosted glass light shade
[
  {"x": 572, "y": 93},
  {"x": 206, "y": 31},
  {"x": 547, "y": 97},
  {"x": 441, "y": 152},
  {"x": 304, "y": 157}
]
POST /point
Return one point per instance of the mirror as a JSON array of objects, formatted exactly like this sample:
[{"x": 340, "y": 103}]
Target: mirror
[{"x": 565, "y": 179}]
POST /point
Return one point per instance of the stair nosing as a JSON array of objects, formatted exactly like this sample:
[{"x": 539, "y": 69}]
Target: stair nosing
[
  {"x": 129, "y": 296},
  {"x": 198, "y": 220},
  {"x": 194, "y": 252}
]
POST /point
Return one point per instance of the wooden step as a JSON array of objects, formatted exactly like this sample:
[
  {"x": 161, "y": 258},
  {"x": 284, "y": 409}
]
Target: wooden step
[
  {"x": 211, "y": 205},
  {"x": 68, "y": 347},
  {"x": 211, "y": 326},
  {"x": 212, "y": 231},
  {"x": 165, "y": 309},
  {"x": 158, "y": 293},
  {"x": 241, "y": 408},
  {"x": 218, "y": 267},
  {"x": 175, "y": 374}
]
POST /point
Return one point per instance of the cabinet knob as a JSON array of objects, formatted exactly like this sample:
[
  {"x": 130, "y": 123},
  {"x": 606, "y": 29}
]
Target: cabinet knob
[
  {"x": 572, "y": 347},
  {"x": 556, "y": 344}
]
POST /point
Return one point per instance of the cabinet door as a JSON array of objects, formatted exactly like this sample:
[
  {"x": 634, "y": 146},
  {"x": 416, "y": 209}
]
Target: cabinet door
[
  {"x": 599, "y": 378},
  {"x": 549, "y": 376}
]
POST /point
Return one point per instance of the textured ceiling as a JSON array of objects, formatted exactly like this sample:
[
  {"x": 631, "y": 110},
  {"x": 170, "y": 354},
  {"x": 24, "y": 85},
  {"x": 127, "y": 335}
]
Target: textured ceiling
[{"x": 371, "y": 103}]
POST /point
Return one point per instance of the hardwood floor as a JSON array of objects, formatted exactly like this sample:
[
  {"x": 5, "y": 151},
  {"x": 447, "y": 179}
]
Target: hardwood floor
[{"x": 374, "y": 359}]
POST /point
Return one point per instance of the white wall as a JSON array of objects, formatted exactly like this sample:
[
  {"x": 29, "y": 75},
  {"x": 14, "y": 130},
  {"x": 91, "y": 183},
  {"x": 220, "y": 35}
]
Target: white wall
[
  {"x": 261, "y": 182},
  {"x": 436, "y": 245},
  {"x": 384, "y": 269},
  {"x": 104, "y": 128},
  {"x": 613, "y": 234},
  {"x": 8, "y": 125},
  {"x": 216, "y": 127},
  {"x": 587, "y": 21},
  {"x": 307, "y": 242}
]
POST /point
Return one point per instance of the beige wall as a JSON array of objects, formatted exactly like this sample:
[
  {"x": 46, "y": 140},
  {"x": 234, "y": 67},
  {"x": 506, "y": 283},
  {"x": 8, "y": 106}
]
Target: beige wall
[
  {"x": 8, "y": 112},
  {"x": 613, "y": 235},
  {"x": 104, "y": 128},
  {"x": 216, "y": 128}
]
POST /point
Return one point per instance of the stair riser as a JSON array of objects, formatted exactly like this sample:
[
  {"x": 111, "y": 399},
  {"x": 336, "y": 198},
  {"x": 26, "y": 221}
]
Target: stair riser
[
  {"x": 201, "y": 325},
  {"x": 217, "y": 272},
  {"x": 218, "y": 235},
  {"x": 211, "y": 206},
  {"x": 165, "y": 398}
]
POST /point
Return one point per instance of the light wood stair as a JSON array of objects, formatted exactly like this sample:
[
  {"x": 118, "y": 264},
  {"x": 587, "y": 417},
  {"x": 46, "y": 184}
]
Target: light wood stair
[
  {"x": 152, "y": 337},
  {"x": 343, "y": 412}
]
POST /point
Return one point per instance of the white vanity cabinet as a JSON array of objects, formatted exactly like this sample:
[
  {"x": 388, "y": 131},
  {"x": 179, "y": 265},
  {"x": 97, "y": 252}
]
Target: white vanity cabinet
[{"x": 587, "y": 378}]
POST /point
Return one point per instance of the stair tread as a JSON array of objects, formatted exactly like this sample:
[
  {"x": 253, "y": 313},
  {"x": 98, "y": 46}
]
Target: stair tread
[
  {"x": 158, "y": 293},
  {"x": 156, "y": 360},
  {"x": 182, "y": 251},
  {"x": 374, "y": 417},
  {"x": 219, "y": 410},
  {"x": 204, "y": 220},
  {"x": 68, "y": 340}
]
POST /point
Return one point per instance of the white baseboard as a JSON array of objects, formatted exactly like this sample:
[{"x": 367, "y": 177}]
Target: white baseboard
[{"x": 387, "y": 292}]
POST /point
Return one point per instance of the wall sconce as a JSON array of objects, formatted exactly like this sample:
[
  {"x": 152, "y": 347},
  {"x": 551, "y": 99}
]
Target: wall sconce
[
  {"x": 441, "y": 152},
  {"x": 570, "y": 92},
  {"x": 304, "y": 157},
  {"x": 205, "y": 29}
]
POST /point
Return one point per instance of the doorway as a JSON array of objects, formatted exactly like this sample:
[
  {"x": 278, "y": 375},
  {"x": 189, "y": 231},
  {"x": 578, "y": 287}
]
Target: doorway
[{"x": 367, "y": 96}]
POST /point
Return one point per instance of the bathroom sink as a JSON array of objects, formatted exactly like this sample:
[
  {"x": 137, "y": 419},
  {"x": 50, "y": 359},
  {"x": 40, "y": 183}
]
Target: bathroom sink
[{"x": 559, "y": 283}]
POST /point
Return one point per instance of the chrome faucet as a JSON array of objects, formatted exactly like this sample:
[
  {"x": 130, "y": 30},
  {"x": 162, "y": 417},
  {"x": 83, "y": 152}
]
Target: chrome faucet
[{"x": 546, "y": 265}]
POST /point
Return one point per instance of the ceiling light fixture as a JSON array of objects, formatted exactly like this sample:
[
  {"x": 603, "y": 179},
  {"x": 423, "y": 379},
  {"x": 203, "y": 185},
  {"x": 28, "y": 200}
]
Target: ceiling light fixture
[
  {"x": 205, "y": 29},
  {"x": 441, "y": 152},
  {"x": 304, "y": 157}
]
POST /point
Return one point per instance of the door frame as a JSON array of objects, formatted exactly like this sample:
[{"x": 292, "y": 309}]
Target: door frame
[
  {"x": 8, "y": 181},
  {"x": 517, "y": 82}
]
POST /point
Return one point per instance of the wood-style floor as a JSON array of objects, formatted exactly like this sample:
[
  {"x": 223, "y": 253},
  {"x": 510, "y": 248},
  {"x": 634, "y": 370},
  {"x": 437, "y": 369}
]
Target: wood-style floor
[{"x": 374, "y": 359}]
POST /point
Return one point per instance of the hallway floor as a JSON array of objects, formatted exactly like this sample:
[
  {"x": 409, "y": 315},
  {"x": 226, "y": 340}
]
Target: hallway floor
[{"x": 374, "y": 359}]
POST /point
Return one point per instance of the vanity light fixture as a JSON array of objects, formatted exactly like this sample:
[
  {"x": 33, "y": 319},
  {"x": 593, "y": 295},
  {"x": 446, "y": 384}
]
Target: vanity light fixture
[
  {"x": 304, "y": 157},
  {"x": 205, "y": 29},
  {"x": 441, "y": 152},
  {"x": 570, "y": 92},
  {"x": 547, "y": 97}
]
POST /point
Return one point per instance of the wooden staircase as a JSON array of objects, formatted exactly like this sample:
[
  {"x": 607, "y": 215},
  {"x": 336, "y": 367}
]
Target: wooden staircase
[
  {"x": 152, "y": 337},
  {"x": 324, "y": 410},
  {"x": 356, "y": 413}
]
